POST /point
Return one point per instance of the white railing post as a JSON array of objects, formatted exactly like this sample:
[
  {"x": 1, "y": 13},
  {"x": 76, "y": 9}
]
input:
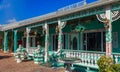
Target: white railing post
[
  {"x": 91, "y": 59},
  {"x": 95, "y": 57},
  {"x": 82, "y": 58},
  {"x": 88, "y": 58},
  {"x": 67, "y": 53},
  {"x": 85, "y": 58},
  {"x": 80, "y": 55},
  {"x": 116, "y": 58}
]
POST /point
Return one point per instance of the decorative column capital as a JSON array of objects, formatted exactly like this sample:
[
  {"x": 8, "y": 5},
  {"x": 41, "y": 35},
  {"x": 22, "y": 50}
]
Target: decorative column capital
[
  {"x": 115, "y": 15},
  {"x": 28, "y": 30},
  {"x": 61, "y": 24}
]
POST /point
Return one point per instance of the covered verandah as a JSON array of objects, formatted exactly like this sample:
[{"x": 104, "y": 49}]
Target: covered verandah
[{"x": 79, "y": 36}]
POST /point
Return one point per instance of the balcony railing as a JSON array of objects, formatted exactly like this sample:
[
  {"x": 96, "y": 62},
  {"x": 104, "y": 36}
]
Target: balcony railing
[{"x": 89, "y": 58}]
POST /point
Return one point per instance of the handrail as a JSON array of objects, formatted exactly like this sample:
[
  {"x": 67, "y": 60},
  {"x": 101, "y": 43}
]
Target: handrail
[
  {"x": 90, "y": 54},
  {"x": 85, "y": 51}
]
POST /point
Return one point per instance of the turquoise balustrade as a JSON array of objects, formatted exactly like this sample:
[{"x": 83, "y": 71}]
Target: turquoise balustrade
[
  {"x": 89, "y": 58},
  {"x": 39, "y": 55}
]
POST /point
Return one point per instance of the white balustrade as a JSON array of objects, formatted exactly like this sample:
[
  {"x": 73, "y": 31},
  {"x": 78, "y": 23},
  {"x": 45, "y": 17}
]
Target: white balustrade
[
  {"x": 95, "y": 59},
  {"x": 67, "y": 53},
  {"x": 116, "y": 58},
  {"x": 82, "y": 57},
  {"x": 79, "y": 55},
  {"x": 85, "y": 57},
  {"x": 89, "y": 58}
]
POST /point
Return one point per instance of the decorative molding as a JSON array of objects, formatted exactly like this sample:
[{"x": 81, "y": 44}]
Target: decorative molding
[
  {"x": 115, "y": 16},
  {"x": 60, "y": 26},
  {"x": 44, "y": 30}
]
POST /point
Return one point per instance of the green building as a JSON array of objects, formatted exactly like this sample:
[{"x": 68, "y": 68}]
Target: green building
[{"x": 81, "y": 30}]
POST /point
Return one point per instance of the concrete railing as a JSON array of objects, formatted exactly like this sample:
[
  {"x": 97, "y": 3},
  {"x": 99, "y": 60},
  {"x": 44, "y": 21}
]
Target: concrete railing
[{"x": 89, "y": 58}]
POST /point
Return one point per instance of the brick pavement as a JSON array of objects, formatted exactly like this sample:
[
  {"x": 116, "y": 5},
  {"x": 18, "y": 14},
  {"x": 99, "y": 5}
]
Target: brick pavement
[{"x": 8, "y": 64}]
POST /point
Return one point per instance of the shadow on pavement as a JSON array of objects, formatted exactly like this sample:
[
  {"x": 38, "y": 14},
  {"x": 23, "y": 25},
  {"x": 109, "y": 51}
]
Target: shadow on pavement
[{"x": 4, "y": 57}]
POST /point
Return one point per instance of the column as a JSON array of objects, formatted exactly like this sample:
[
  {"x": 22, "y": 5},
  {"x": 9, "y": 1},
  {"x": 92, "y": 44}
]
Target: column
[
  {"x": 61, "y": 25},
  {"x": 15, "y": 40},
  {"x": 5, "y": 42},
  {"x": 46, "y": 42},
  {"x": 27, "y": 38},
  {"x": 59, "y": 36},
  {"x": 108, "y": 27}
]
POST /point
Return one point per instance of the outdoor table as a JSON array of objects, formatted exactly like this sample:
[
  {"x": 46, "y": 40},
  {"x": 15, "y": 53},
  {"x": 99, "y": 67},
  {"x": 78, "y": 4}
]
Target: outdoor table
[{"x": 69, "y": 62}]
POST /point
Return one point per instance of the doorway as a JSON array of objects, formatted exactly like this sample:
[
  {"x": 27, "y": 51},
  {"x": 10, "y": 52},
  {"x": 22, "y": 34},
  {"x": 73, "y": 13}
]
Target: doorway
[{"x": 74, "y": 41}]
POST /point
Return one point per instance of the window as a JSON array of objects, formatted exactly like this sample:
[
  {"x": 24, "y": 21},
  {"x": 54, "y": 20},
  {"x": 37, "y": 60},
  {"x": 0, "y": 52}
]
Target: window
[
  {"x": 33, "y": 41},
  {"x": 74, "y": 43},
  {"x": 55, "y": 42},
  {"x": 94, "y": 41}
]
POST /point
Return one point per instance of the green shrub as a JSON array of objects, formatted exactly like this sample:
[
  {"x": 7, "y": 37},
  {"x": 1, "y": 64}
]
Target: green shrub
[
  {"x": 116, "y": 67},
  {"x": 105, "y": 64}
]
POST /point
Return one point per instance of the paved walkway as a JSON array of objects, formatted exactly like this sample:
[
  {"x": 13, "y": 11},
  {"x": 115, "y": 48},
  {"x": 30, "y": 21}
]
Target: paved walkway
[{"x": 8, "y": 64}]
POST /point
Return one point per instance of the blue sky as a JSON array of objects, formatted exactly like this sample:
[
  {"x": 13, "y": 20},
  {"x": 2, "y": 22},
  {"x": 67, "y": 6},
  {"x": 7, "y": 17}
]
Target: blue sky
[{"x": 16, "y": 10}]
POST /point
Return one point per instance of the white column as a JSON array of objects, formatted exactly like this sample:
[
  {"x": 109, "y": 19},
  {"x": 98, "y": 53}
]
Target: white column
[
  {"x": 27, "y": 38},
  {"x": 46, "y": 42},
  {"x": 61, "y": 25},
  {"x": 108, "y": 26},
  {"x": 59, "y": 36}
]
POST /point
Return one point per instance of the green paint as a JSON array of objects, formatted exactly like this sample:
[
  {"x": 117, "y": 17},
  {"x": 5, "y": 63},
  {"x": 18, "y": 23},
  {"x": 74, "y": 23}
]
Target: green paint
[
  {"x": 67, "y": 28},
  {"x": 79, "y": 28},
  {"x": 108, "y": 36},
  {"x": 19, "y": 36},
  {"x": 51, "y": 43},
  {"x": 92, "y": 25},
  {"x": 66, "y": 41},
  {"x": 81, "y": 14},
  {"x": 60, "y": 37},
  {"x": 116, "y": 7},
  {"x": 6, "y": 42},
  {"x": 15, "y": 40},
  {"x": 116, "y": 28},
  {"x": 79, "y": 40}
]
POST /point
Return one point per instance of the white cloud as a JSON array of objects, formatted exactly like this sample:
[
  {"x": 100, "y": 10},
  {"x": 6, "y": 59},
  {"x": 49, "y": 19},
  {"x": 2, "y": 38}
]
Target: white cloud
[
  {"x": 12, "y": 20},
  {"x": 2, "y": 6}
]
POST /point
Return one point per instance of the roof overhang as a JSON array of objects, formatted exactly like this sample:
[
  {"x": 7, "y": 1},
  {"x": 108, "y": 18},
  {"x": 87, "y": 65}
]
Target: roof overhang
[{"x": 57, "y": 14}]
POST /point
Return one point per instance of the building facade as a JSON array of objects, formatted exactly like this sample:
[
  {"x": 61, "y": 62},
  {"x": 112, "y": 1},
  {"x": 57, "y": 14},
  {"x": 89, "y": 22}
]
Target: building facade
[{"x": 80, "y": 30}]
